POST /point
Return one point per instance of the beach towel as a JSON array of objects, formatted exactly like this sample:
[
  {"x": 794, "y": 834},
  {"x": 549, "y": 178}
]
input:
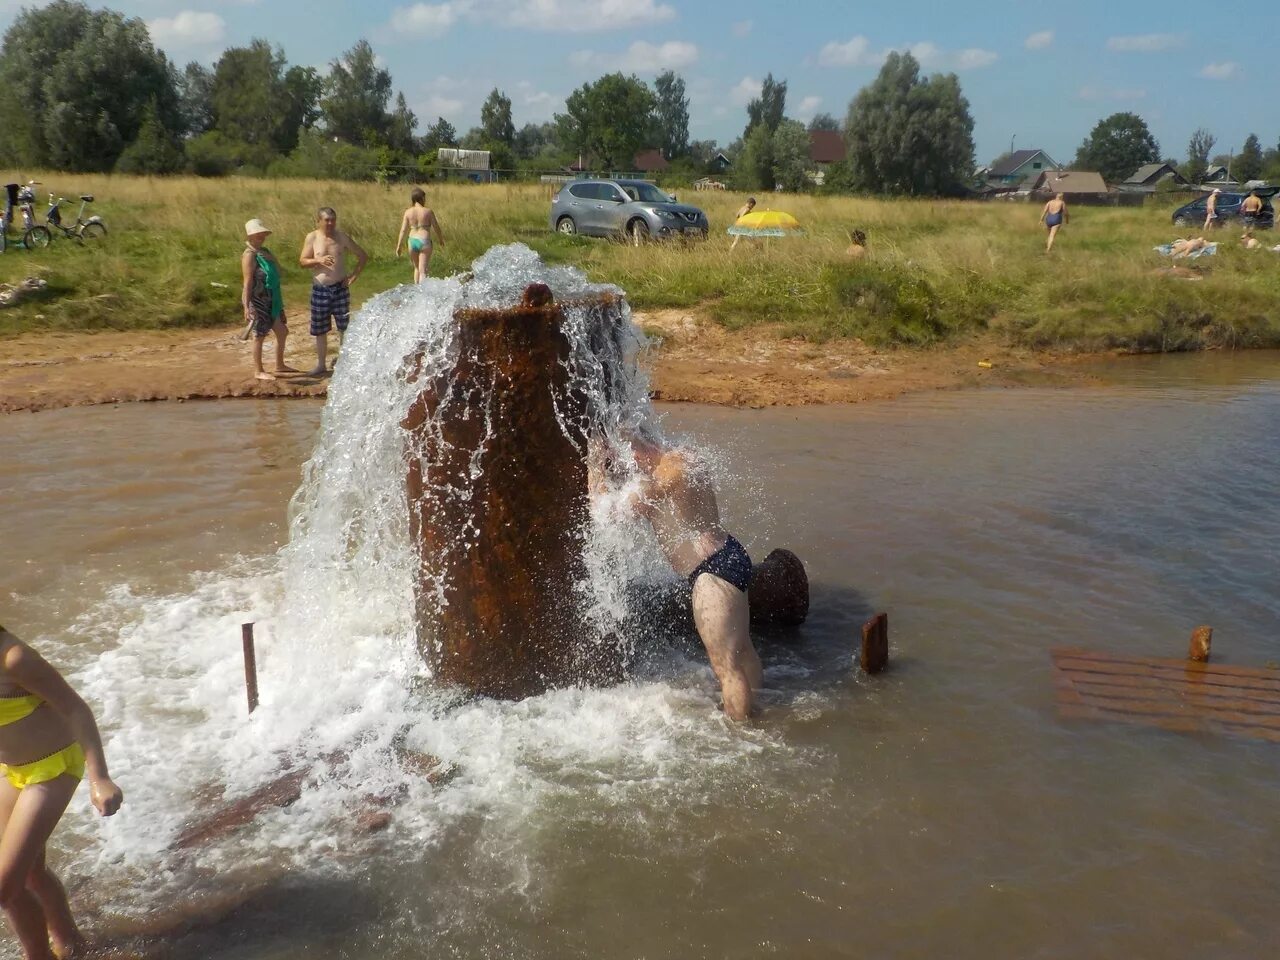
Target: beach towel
[{"x": 1166, "y": 250}]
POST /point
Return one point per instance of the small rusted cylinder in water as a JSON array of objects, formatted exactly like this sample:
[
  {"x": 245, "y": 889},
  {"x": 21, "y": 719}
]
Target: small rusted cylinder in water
[
  {"x": 874, "y": 652},
  {"x": 497, "y": 489},
  {"x": 250, "y": 665},
  {"x": 1201, "y": 642}
]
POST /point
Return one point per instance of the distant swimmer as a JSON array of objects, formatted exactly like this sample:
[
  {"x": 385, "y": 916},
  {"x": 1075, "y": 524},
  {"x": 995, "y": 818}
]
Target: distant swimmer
[
  {"x": 48, "y": 741},
  {"x": 1211, "y": 209},
  {"x": 678, "y": 500},
  {"x": 1053, "y": 216},
  {"x": 418, "y": 222},
  {"x": 324, "y": 253},
  {"x": 1250, "y": 211}
]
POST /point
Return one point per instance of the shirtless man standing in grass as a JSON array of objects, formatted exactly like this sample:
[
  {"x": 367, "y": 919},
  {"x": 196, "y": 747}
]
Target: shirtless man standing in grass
[
  {"x": 324, "y": 254},
  {"x": 679, "y": 502}
]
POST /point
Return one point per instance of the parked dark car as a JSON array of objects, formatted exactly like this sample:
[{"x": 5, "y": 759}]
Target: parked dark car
[
  {"x": 632, "y": 208},
  {"x": 1227, "y": 209}
]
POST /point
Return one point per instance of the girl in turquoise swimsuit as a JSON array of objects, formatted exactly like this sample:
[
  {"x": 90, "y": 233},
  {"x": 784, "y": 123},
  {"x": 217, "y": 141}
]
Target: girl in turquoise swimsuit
[{"x": 418, "y": 223}]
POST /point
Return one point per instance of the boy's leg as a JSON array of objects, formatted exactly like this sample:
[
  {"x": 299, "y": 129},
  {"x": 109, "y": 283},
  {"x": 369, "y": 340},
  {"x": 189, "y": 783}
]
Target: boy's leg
[
  {"x": 723, "y": 619},
  {"x": 48, "y": 890},
  {"x": 258, "y": 372},
  {"x": 33, "y": 815}
]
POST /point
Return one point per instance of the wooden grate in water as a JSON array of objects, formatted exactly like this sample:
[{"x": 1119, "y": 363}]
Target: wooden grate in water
[{"x": 1179, "y": 695}]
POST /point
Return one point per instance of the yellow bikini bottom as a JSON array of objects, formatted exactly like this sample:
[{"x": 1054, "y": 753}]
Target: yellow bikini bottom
[{"x": 67, "y": 760}]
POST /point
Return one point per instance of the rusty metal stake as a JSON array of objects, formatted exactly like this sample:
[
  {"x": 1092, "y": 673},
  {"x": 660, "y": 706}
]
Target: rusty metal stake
[
  {"x": 875, "y": 643},
  {"x": 250, "y": 665},
  {"x": 1201, "y": 641}
]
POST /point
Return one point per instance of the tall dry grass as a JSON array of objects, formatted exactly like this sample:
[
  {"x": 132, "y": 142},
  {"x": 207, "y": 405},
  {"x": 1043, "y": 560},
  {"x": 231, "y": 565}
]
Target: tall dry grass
[{"x": 939, "y": 269}]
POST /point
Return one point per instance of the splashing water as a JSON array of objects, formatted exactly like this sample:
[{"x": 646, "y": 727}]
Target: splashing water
[{"x": 339, "y": 669}]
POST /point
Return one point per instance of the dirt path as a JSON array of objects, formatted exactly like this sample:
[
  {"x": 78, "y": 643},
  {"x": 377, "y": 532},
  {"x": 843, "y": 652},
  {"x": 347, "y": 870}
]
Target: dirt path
[{"x": 697, "y": 360}]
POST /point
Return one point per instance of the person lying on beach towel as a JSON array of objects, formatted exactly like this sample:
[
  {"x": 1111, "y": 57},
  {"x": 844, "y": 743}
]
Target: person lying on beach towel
[{"x": 1188, "y": 248}]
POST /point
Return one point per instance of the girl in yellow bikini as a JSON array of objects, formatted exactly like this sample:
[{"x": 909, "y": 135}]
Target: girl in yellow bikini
[{"x": 48, "y": 739}]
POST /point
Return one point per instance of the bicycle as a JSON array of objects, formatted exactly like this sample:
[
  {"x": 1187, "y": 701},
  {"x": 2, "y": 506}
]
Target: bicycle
[
  {"x": 82, "y": 229},
  {"x": 33, "y": 235}
]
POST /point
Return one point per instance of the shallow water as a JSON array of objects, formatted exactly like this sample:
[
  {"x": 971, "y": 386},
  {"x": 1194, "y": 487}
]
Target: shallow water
[{"x": 940, "y": 810}]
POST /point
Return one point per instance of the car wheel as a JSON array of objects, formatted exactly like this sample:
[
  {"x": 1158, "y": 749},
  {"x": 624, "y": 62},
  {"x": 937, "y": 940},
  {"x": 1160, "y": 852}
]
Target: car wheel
[
  {"x": 566, "y": 226},
  {"x": 1180, "y": 221},
  {"x": 638, "y": 231}
]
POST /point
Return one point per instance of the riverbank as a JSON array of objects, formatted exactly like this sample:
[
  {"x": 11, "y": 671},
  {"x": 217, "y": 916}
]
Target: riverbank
[{"x": 696, "y": 360}]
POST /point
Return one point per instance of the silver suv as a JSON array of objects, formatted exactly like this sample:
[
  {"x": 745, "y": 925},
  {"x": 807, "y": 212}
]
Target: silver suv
[{"x": 635, "y": 209}]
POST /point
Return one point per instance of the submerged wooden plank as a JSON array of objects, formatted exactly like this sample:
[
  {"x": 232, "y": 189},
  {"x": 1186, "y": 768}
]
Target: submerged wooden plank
[{"x": 1176, "y": 695}]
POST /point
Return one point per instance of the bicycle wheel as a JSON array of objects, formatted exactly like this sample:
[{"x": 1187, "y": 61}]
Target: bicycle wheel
[
  {"x": 37, "y": 236},
  {"x": 92, "y": 231}
]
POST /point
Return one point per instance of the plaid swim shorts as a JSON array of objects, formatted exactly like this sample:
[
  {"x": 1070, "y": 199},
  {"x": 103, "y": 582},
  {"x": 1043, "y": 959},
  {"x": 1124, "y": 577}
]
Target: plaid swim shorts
[{"x": 330, "y": 301}]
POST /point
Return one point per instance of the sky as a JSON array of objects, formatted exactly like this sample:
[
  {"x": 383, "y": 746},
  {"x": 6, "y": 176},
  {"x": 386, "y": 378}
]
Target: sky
[{"x": 1035, "y": 74}]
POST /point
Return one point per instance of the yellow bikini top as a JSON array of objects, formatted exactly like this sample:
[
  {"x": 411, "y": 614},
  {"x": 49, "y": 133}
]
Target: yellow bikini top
[{"x": 13, "y": 709}]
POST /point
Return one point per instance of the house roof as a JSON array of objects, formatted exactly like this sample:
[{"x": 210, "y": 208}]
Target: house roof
[
  {"x": 1071, "y": 181},
  {"x": 650, "y": 161},
  {"x": 1218, "y": 172},
  {"x": 1150, "y": 172},
  {"x": 1016, "y": 160},
  {"x": 826, "y": 146}
]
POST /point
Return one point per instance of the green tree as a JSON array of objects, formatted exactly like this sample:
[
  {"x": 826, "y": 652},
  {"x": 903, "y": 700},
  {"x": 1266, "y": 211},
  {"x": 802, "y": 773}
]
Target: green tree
[
  {"x": 824, "y": 121},
  {"x": 791, "y": 155},
  {"x": 304, "y": 86},
  {"x": 672, "y": 115},
  {"x": 1248, "y": 164},
  {"x": 250, "y": 98},
  {"x": 356, "y": 97},
  {"x": 401, "y": 126},
  {"x": 75, "y": 85},
  {"x": 768, "y": 108},
  {"x": 495, "y": 118},
  {"x": 753, "y": 170},
  {"x": 439, "y": 134},
  {"x": 533, "y": 138},
  {"x": 909, "y": 135},
  {"x": 194, "y": 87},
  {"x": 609, "y": 120},
  {"x": 1117, "y": 146},
  {"x": 1198, "y": 149},
  {"x": 155, "y": 150}
]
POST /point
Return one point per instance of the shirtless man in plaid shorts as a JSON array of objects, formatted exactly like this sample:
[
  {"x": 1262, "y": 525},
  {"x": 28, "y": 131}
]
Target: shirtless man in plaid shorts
[{"x": 324, "y": 254}]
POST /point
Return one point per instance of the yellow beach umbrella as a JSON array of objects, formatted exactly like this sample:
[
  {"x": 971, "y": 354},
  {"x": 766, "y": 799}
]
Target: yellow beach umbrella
[{"x": 766, "y": 223}]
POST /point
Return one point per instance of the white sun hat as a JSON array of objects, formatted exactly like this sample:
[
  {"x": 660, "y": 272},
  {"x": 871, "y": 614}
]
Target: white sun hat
[{"x": 255, "y": 226}]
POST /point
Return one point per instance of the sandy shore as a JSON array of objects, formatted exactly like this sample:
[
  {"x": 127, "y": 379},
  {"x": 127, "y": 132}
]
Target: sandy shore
[{"x": 696, "y": 361}]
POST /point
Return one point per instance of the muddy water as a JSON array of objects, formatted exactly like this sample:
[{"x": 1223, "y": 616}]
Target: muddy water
[{"x": 942, "y": 810}]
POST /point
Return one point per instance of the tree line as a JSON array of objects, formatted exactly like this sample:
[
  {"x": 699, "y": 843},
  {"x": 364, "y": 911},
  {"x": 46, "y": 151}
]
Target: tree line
[{"x": 87, "y": 90}]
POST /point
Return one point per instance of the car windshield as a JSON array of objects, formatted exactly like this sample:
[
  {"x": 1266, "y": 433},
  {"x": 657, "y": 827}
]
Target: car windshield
[{"x": 645, "y": 193}]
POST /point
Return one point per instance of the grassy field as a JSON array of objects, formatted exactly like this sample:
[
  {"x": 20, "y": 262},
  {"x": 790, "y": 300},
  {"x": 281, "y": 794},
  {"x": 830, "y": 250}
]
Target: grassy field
[{"x": 938, "y": 269}]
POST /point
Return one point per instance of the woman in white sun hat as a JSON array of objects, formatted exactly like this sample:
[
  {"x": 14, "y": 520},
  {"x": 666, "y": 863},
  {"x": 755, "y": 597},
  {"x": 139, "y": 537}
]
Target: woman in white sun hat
[{"x": 261, "y": 298}]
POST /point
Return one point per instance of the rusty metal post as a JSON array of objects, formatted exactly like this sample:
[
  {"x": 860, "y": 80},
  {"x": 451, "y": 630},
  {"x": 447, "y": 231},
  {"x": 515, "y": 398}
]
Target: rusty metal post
[
  {"x": 1201, "y": 641},
  {"x": 250, "y": 665},
  {"x": 874, "y": 655}
]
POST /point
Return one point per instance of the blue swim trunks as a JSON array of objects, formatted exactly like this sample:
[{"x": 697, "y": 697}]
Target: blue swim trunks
[
  {"x": 330, "y": 301},
  {"x": 730, "y": 563}
]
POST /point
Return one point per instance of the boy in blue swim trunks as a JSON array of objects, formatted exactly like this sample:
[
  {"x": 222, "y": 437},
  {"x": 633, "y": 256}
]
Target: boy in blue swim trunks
[
  {"x": 324, "y": 254},
  {"x": 678, "y": 500}
]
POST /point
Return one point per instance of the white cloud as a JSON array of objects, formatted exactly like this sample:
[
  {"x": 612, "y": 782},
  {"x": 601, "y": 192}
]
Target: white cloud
[
  {"x": 855, "y": 52},
  {"x": 808, "y": 107},
  {"x": 742, "y": 28},
  {"x": 858, "y": 52},
  {"x": 1106, "y": 93},
  {"x": 1039, "y": 40},
  {"x": 1220, "y": 71},
  {"x": 642, "y": 57},
  {"x": 425, "y": 19},
  {"x": 1145, "y": 43},
  {"x": 189, "y": 28},
  {"x": 745, "y": 90}
]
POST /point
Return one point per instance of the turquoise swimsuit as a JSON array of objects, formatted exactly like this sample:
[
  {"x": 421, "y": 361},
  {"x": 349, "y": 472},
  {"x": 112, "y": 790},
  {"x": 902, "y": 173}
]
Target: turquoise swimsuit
[{"x": 271, "y": 279}]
